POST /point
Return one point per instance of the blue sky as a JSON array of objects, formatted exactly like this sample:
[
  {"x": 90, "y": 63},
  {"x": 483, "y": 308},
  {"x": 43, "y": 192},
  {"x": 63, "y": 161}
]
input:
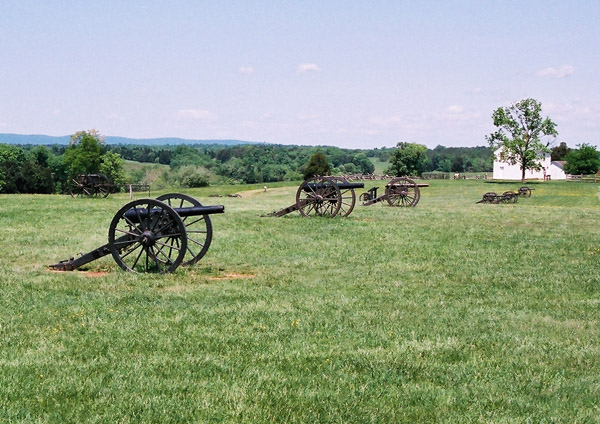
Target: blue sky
[{"x": 353, "y": 74}]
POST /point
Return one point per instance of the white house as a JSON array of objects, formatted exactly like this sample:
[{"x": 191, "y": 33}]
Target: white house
[{"x": 550, "y": 170}]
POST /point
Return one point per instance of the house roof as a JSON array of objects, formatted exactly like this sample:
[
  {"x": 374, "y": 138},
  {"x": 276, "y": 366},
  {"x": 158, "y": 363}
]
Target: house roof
[{"x": 559, "y": 163}]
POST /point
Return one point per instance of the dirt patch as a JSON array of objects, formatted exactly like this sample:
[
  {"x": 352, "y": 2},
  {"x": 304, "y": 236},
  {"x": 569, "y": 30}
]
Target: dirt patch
[
  {"x": 232, "y": 276},
  {"x": 86, "y": 273},
  {"x": 96, "y": 273}
]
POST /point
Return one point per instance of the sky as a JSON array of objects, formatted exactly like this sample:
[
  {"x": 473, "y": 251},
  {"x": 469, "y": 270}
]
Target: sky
[{"x": 353, "y": 74}]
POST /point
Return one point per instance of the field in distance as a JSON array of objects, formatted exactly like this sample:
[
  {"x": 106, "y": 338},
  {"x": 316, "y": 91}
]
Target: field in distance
[{"x": 448, "y": 312}]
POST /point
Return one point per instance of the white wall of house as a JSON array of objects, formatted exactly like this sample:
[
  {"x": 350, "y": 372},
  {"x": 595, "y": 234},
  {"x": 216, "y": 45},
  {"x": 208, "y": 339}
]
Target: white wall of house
[{"x": 505, "y": 171}]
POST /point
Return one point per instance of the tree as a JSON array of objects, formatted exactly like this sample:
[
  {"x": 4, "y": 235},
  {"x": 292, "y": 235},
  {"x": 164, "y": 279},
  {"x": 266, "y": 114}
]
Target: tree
[
  {"x": 22, "y": 174},
  {"x": 457, "y": 164},
  {"x": 559, "y": 152},
  {"x": 113, "y": 167},
  {"x": 318, "y": 165},
  {"x": 84, "y": 154},
  {"x": 520, "y": 127},
  {"x": 408, "y": 159},
  {"x": 585, "y": 160},
  {"x": 364, "y": 163}
]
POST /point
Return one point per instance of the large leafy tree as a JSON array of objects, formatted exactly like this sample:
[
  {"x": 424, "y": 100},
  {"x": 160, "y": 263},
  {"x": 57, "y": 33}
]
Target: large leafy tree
[
  {"x": 519, "y": 133},
  {"x": 585, "y": 160},
  {"x": 84, "y": 154},
  {"x": 408, "y": 159}
]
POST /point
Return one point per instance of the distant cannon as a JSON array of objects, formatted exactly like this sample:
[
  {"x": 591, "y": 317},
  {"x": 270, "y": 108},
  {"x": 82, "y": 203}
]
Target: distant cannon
[
  {"x": 154, "y": 235},
  {"x": 507, "y": 196},
  {"x": 400, "y": 191},
  {"x": 90, "y": 185},
  {"x": 323, "y": 196}
]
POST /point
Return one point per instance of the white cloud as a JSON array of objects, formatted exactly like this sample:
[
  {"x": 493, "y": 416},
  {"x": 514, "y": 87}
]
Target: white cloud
[
  {"x": 563, "y": 71},
  {"x": 307, "y": 67},
  {"x": 458, "y": 113},
  {"x": 115, "y": 117},
  {"x": 246, "y": 70},
  {"x": 197, "y": 115}
]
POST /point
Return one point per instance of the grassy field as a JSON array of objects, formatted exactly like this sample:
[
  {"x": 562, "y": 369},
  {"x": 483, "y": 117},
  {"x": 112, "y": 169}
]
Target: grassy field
[{"x": 448, "y": 312}]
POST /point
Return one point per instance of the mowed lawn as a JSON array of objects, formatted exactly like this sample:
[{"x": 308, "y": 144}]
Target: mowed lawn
[{"x": 448, "y": 312}]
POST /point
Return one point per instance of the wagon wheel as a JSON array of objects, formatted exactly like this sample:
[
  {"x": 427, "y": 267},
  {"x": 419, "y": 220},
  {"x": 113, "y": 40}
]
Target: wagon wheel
[
  {"x": 348, "y": 197},
  {"x": 197, "y": 228},
  {"x": 87, "y": 190},
  {"x": 147, "y": 235},
  {"x": 74, "y": 188},
  {"x": 402, "y": 192},
  {"x": 525, "y": 191},
  {"x": 103, "y": 191},
  {"x": 319, "y": 196},
  {"x": 104, "y": 186}
]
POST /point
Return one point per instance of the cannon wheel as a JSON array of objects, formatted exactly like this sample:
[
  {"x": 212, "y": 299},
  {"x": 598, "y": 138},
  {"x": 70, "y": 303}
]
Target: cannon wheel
[
  {"x": 157, "y": 242},
  {"x": 348, "y": 197},
  {"x": 319, "y": 196},
  {"x": 198, "y": 228},
  {"x": 525, "y": 191},
  {"x": 364, "y": 198},
  {"x": 402, "y": 192}
]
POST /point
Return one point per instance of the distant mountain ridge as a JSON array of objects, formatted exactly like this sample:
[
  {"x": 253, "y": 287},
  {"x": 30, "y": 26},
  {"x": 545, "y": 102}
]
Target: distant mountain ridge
[{"x": 48, "y": 139}]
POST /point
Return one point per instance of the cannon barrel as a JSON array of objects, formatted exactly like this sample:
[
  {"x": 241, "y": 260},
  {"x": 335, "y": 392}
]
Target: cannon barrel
[
  {"x": 135, "y": 214},
  {"x": 341, "y": 186}
]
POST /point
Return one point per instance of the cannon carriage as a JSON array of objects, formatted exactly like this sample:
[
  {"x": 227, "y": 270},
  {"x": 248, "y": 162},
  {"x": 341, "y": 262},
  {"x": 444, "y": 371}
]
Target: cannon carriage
[
  {"x": 154, "y": 235},
  {"x": 90, "y": 185},
  {"x": 323, "y": 196},
  {"x": 400, "y": 191}
]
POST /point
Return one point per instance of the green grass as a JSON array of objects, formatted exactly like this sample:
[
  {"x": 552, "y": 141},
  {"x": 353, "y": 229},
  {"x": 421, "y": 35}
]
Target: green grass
[{"x": 448, "y": 312}]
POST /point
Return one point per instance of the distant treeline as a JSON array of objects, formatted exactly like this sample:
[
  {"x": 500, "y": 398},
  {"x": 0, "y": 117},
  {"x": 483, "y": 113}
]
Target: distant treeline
[
  {"x": 269, "y": 162},
  {"x": 35, "y": 169}
]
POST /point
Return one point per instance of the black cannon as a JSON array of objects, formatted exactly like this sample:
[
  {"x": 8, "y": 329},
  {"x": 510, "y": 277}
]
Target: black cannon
[
  {"x": 323, "y": 196},
  {"x": 154, "y": 235},
  {"x": 400, "y": 191}
]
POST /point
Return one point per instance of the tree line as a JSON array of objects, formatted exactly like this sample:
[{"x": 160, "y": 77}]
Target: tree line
[{"x": 49, "y": 169}]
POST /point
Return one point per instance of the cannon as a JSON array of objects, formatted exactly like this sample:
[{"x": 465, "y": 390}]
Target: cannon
[
  {"x": 323, "y": 196},
  {"x": 90, "y": 185},
  {"x": 154, "y": 235},
  {"x": 506, "y": 197},
  {"x": 400, "y": 191},
  {"x": 525, "y": 191}
]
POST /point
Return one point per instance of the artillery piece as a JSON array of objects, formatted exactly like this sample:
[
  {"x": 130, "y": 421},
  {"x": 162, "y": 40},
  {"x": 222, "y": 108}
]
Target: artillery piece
[
  {"x": 323, "y": 196},
  {"x": 154, "y": 235},
  {"x": 400, "y": 191},
  {"x": 507, "y": 196},
  {"x": 90, "y": 185}
]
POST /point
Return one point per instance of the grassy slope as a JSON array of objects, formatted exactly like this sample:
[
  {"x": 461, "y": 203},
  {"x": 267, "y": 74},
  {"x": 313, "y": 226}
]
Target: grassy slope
[{"x": 451, "y": 311}]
